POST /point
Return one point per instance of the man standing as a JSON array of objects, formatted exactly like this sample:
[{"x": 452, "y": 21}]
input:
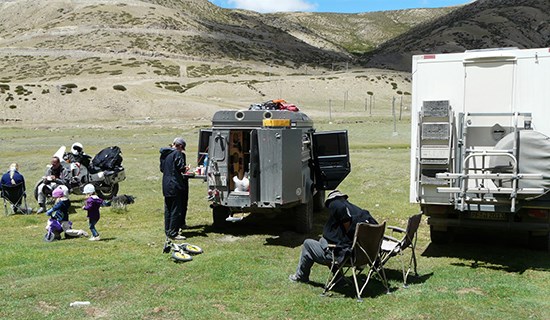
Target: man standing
[
  {"x": 338, "y": 230},
  {"x": 55, "y": 175},
  {"x": 175, "y": 188}
]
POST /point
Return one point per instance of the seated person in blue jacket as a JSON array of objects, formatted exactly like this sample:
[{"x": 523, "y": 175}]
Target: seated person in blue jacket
[{"x": 12, "y": 178}]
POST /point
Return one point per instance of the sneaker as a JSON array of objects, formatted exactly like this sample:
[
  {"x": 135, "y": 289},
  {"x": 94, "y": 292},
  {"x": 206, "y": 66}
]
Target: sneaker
[
  {"x": 178, "y": 237},
  {"x": 41, "y": 209},
  {"x": 92, "y": 238},
  {"x": 295, "y": 278}
]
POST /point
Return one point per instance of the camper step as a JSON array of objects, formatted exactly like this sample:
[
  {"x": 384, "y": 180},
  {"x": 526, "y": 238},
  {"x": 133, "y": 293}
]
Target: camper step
[
  {"x": 530, "y": 176},
  {"x": 492, "y": 190}
]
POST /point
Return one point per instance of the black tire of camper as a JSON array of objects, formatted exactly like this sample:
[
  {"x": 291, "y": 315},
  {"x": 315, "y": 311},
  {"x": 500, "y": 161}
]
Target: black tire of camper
[
  {"x": 441, "y": 237},
  {"x": 304, "y": 217},
  {"x": 219, "y": 214}
]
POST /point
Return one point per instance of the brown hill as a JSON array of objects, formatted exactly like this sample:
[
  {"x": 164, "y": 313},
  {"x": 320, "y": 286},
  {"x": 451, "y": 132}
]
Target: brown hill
[{"x": 479, "y": 25}]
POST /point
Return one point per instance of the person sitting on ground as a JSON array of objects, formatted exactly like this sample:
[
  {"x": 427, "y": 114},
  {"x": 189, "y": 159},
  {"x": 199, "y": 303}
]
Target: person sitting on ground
[
  {"x": 339, "y": 231},
  {"x": 60, "y": 212},
  {"x": 55, "y": 175}
]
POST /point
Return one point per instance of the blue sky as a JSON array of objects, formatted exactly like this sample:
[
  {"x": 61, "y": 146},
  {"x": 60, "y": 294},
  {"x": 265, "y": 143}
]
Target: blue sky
[{"x": 342, "y": 6}]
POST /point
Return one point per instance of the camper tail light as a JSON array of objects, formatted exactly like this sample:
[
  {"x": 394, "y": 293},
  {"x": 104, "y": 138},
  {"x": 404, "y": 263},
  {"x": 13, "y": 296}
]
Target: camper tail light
[
  {"x": 538, "y": 213},
  {"x": 429, "y": 56}
]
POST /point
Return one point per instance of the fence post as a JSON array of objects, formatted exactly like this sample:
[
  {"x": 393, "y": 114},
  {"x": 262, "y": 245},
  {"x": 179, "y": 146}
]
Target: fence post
[
  {"x": 330, "y": 110},
  {"x": 400, "y": 107},
  {"x": 393, "y": 113}
]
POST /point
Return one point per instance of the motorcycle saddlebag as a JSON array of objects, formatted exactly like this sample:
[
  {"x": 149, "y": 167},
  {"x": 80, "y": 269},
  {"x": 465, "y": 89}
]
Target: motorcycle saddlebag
[{"x": 108, "y": 159}]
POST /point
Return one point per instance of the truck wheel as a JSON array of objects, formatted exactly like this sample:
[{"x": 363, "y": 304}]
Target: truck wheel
[
  {"x": 304, "y": 217},
  {"x": 319, "y": 201},
  {"x": 219, "y": 214},
  {"x": 440, "y": 237},
  {"x": 539, "y": 242}
]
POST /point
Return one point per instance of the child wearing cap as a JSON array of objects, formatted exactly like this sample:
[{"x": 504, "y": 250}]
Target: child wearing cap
[
  {"x": 92, "y": 205},
  {"x": 60, "y": 212}
]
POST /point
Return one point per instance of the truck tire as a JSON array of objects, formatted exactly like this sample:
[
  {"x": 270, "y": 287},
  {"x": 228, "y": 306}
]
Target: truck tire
[
  {"x": 440, "y": 237},
  {"x": 304, "y": 217},
  {"x": 219, "y": 214},
  {"x": 319, "y": 201},
  {"x": 539, "y": 242}
]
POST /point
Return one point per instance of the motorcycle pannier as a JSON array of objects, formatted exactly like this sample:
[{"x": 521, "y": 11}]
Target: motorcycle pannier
[{"x": 108, "y": 159}]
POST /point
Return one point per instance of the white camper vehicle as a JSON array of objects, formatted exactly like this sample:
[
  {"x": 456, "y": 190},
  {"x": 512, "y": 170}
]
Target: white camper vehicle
[{"x": 480, "y": 149}]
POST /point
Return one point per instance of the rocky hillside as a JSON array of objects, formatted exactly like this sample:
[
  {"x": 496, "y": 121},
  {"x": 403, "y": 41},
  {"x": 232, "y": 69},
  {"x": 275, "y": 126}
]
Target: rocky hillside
[
  {"x": 198, "y": 29},
  {"x": 479, "y": 25}
]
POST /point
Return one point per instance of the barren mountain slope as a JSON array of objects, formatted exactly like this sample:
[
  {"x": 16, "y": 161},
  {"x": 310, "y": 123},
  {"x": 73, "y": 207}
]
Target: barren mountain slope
[{"x": 482, "y": 24}]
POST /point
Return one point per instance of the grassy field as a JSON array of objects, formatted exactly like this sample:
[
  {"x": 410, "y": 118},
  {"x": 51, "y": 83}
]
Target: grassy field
[{"x": 243, "y": 271}]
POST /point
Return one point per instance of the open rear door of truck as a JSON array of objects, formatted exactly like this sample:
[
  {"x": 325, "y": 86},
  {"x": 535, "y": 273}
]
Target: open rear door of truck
[{"x": 331, "y": 158}]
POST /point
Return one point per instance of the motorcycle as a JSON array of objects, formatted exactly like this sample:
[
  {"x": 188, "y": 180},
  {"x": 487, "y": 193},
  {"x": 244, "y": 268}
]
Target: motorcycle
[{"x": 103, "y": 171}]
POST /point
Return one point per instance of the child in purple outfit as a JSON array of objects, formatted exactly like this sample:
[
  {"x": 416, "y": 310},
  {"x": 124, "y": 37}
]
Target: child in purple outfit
[{"x": 93, "y": 202}]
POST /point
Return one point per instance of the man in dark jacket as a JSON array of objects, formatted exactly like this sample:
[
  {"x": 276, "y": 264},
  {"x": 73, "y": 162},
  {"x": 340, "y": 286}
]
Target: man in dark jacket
[
  {"x": 338, "y": 230},
  {"x": 175, "y": 188}
]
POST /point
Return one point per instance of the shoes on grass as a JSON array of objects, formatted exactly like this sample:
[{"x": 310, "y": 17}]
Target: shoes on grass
[
  {"x": 178, "y": 237},
  {"x": 295, "y": 278}
]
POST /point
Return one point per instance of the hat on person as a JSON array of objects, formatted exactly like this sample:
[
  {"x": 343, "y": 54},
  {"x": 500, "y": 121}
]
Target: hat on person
[
  {"x": 333, "y": 195},
  {"x": 180, "y": 142},
  {"x": 65, "y": 190},
  {"x": 89, "y": 189},
  {"x": 57, "y": 193}
]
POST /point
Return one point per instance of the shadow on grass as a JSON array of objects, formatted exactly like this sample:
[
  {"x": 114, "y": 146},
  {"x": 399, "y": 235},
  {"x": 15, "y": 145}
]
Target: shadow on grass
[
  {"x": 374, "y": 288},
  {"x": 346, "y": 289},
  {"x": 279, "y": 229},
  {"x": 494, "y": 256}
]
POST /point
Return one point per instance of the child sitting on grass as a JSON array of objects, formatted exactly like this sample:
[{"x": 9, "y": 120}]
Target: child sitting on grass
[
  {"x": 60, "y": 212},
  {"x": 93, "y": 202}
]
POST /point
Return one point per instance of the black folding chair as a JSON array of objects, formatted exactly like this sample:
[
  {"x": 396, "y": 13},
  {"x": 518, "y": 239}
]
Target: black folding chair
[
  {"x": 393, "y": 247},
  {"x": 15, "y": 199},
  {"x": 365, "y": 255}
]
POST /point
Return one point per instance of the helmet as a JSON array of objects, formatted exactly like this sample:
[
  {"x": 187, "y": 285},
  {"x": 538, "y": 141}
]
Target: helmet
[
  {"x": 333, "y": 195},
  {"x": 77, "y": 148},
  {"x": 89, "y": 188},
  {"x": 58, "y": 192}
]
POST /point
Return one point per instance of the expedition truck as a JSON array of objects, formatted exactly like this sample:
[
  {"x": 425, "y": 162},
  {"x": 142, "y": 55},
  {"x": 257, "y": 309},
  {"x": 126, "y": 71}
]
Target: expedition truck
[
  {"x": 480, "y": 152},
  {"x": 270, "y": 161}
]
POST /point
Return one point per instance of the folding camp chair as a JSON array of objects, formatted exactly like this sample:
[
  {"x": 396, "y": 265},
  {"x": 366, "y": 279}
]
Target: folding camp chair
[
  {"x": 15, "y": 199},
  {"x": 365, "y": 254},
  {"x": 392, "y": 247}
]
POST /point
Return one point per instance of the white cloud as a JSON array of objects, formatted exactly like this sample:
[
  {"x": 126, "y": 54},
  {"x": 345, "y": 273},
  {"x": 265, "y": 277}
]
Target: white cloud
[{"x": 273, "y": 5}]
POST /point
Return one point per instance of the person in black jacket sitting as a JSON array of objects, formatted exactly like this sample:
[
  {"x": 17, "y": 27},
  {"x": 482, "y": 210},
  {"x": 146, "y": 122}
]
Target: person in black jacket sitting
[{"x": 338, "y": 230}]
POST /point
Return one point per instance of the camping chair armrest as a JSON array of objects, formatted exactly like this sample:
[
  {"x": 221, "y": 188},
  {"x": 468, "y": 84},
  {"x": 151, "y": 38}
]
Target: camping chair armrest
[
  {"x": 386, "y": 237},
  {"x": 396, "y": 229}
]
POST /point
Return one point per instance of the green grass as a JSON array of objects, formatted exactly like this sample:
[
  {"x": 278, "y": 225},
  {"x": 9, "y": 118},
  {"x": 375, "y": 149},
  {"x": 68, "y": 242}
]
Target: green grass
[{"x": 243, "y": 271}]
